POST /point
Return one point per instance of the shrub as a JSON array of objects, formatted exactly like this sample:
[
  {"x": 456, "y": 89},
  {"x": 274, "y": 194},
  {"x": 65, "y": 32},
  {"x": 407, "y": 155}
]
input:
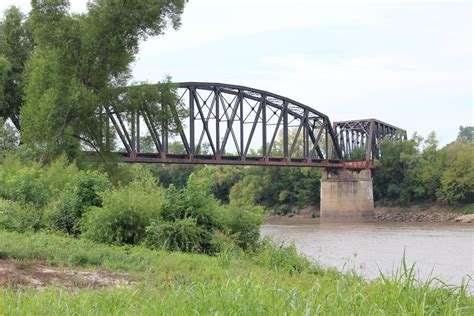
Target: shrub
[
  {"x": 191, "y": 214},
  {"x": 243, "y": 221},
  {"x": 20, "y": 217},
  {"x": 83, "y": 191},
  {"x": 26, "y": 185},
  {"x": 179, "y": 235},
  {"x": 125, "y": 214}
]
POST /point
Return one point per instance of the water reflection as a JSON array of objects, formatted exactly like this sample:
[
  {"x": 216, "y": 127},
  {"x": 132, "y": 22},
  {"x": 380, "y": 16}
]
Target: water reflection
[{"x": 443, "y": 250}]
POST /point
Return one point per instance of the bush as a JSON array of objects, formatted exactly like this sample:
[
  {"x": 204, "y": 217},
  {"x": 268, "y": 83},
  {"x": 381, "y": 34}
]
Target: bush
[
  {"x": 20, "y": 217},
  {"x": 179, "y": 235},
  {"x": 25, "y": 185},
  {"x": 188, "y": 215},
  {"x": 83, "y": 191},
  {"x": 125, "y": 214},
  {"x": 243, "y": 222}
]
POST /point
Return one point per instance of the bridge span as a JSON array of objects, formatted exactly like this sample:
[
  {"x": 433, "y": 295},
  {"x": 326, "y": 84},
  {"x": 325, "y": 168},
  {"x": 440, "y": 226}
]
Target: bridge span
[
  {"x": 237, "y": 125},
  {"x": 214, "y": 123}
]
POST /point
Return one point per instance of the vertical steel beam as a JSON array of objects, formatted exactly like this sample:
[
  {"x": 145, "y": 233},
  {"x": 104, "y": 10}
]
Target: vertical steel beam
[
  {"x": 306, "y": 136},
  {"x": 285, "y": 129},
  {"x": 138, "y": 132},
  {"x": 264, "y": 130},
  {"x": 241, "y": 104},
  {"x": 164, "y": 135},
  {"x": 218, "y": 121},
  {"x": 254, "y": 125},
  {"x": 192, "y": 149},
  {"x": 133, "y": 131}
]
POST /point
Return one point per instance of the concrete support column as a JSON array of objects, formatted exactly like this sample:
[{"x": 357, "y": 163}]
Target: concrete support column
[{"x": 347, "y": 197}]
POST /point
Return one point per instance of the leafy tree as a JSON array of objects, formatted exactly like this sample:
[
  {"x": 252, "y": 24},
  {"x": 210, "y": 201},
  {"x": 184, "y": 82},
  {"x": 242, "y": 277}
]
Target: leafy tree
[
  {"x": 457, "y": 180},
  {"x": 79, "y": 64},
  {"x": 389, "y": 177},
  {"x": 16, "y": 47},
  {"x": 466, "y": 134},
  {"x": 249, "y": 188}
]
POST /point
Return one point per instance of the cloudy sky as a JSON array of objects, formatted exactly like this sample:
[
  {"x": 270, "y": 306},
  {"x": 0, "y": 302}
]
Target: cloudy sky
[{"x": 408, "y": 63}]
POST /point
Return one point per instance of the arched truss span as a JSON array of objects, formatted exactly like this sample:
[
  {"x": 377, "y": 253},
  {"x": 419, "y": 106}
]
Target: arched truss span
[{"x": 230, "y": 124}]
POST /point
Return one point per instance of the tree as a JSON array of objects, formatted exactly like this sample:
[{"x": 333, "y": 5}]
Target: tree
[
  {"x": 457, "y": 180},
  {"x": 16, "y": 46},
  {"x": 79, "y": 64},
  {"x": 466, "y": 134},
  {"x": 390, "y": 181}
]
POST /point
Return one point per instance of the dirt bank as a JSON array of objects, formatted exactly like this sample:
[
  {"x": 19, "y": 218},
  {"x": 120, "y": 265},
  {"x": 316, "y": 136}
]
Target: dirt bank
[
  {"x": 432, "y": 213},
  {"x": 19, "y": 274},
  {"x": 426, "y": 213}
]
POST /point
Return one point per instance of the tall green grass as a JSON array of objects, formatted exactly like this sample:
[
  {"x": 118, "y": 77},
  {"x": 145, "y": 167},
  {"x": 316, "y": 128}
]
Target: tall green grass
[{"x": 273, "y": 282}]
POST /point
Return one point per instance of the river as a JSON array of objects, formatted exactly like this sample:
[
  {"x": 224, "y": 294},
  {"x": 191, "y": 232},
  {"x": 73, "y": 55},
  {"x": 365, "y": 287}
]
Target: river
[{"x": 442, "y": 250}]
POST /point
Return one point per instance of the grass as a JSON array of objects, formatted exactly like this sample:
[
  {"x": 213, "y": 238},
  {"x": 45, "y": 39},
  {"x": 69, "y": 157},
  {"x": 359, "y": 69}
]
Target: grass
[{"x": 273, "y": 282}]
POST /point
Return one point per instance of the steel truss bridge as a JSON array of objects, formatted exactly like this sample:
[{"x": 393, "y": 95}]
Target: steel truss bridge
[{"x": 236, "y": 125}]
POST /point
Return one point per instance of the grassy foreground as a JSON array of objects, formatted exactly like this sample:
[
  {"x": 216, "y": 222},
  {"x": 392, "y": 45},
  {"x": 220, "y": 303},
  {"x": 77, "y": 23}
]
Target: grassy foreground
[{"x": 273, "y": 282}]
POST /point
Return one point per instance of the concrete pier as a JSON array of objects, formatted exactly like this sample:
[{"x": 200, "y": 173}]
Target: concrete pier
[{"x": 347, "y": 197}]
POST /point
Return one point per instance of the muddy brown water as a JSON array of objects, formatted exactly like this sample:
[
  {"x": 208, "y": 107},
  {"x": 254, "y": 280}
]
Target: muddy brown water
[{"x": 445, "y": 250}]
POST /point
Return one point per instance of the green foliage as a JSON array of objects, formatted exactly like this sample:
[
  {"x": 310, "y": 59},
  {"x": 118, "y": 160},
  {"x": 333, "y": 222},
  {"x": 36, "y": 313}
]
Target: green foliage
[
  {"x": 125, "y": 212},
  {"x": 179, "y": 235},
  {"x": 16, "y": 47},
  {"x": 281, "y": 256},
  {"x": 282, "y": 209},
  {"x": 242, "y": 219},
  {"x": 405, "y": 174},
  {"x": 223, "y": 179},
  {"x": 466, "y": 134},
  {"x": 84, "y": 190},
  {"x": 24, "y": 184},
  {"x": 457, "y": 181},
  {"x": 276, "y": 283},
  {"x": 191, "y": 210},
  {"x": 389, "y": 177},
  {"x": 174, "y": 174},
  {"x": 79, "y": 63},
  {"x": 20, "y": 217},
  {"x": 277, "y": 186},
  {"x": 249, "y": 188}
]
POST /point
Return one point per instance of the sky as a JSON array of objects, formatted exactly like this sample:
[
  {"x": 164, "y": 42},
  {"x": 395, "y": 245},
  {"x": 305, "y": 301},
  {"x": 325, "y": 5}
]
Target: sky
[{"x": 408, "y": 63}]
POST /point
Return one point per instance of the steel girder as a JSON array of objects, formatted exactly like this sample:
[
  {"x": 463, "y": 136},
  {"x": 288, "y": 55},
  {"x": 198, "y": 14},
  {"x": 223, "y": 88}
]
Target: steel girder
[
  {"x": 229, "y": 124},
  {"x": 365, "y": 134}
]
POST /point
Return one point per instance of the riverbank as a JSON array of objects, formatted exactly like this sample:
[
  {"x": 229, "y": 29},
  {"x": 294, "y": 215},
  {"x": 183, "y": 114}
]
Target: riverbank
[
  {"x": 274, "y": 281},
  {"x": 427, "y": 213}
]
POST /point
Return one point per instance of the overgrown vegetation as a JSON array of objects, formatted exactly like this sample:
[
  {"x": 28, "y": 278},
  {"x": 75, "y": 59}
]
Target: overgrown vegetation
[
  {"x": 274, "y": 281},
  {"x": 135, "y": 212},
  {"x": 406, "y": 173}
]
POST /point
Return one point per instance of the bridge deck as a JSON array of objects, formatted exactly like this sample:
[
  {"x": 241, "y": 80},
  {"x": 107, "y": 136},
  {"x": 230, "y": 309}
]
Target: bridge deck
[{"x": 248, "y": 161}]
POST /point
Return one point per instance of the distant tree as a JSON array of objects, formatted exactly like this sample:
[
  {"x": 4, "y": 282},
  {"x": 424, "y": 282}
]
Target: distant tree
[
  {"x": 390, "y": 182},
  {"x": 457, "y": 180},
  {"x": 466, "y": 134}
]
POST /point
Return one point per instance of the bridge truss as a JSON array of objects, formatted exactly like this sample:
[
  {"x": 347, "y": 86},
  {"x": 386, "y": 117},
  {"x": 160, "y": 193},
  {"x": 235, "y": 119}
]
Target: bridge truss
[
  {"x": 236, "y": 125},
  {"x": 366, "y": 135}
]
